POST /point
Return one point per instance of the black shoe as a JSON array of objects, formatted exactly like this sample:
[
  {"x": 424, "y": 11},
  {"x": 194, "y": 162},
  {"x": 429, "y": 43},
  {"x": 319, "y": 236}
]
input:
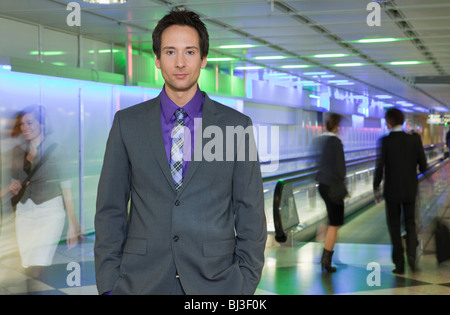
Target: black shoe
[
  {"x": 398, "y": 271},
  {"x": 326, "y": 261}
]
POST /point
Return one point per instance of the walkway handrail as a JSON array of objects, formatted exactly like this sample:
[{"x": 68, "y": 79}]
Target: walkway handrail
[
  {"x": 309, "y": 173},
  {"x": 309, "y": 169}
]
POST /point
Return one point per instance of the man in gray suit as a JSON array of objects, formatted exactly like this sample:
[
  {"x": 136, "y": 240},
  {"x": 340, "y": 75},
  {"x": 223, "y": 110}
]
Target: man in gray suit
[{"x": 194, "y": 225}]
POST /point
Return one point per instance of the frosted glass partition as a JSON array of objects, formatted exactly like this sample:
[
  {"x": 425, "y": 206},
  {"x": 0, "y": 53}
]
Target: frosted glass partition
[
  {"x": 79, "y": 114},
  {"x": 18, "y": 39},
  {"x": 96, "y": 110},
  {"x": 96, "y": 55},
  {"x": 59, "y": 49}
]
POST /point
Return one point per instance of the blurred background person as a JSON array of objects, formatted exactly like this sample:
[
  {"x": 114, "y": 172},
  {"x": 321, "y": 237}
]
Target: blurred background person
[
  {"x": 399, "y": 155},
  {"x": 332, "y": 189},
  {"x": 447, "y": 141},
  {"x": 10, "y": 137},
  {"x": 42, "y": 194}
]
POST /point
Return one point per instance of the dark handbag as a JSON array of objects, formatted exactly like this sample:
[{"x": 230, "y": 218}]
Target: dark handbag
[
  {"x": 442, "y": 236},
  {"x": 337, "y": 192},
  {"x": 15, "y": 199}
]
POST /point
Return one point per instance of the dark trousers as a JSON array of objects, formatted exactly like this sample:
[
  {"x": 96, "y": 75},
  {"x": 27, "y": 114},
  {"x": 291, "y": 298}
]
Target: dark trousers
[{"x": 393, "y": 217}]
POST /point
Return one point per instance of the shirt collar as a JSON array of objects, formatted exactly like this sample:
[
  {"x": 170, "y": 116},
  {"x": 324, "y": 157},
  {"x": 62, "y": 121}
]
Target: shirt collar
[
  {"x": 397, "y": 128},
  {"x": 192, "y": 108},
  {"x": 331, "y": 134}
]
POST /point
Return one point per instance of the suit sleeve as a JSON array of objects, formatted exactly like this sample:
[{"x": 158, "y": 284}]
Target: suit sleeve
[
  {"x": 250, "y": 219},
  {"x": 338, "y": 149},
  {"x": 379, "y": 167},
  {"x": 422, "y": 159},
  {"x": 111, "y": 215}
]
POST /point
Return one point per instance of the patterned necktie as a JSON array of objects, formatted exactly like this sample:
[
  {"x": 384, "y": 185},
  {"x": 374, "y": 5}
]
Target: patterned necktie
[{"x": 176, "y": 153}]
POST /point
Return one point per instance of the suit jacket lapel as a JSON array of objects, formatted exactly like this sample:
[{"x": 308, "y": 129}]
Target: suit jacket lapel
[{"x": 152, "y": 123}]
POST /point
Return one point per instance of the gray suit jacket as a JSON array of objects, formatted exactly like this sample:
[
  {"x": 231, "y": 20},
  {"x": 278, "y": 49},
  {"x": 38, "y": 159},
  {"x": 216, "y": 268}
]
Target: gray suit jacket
[{"x": 212, "y": 232}]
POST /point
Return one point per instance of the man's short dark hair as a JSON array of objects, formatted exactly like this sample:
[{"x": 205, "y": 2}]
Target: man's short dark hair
[
  {"x": 183, "y": 18},
  {"x": 333, "y": 122},
  {"x": 394, "y": 117}
]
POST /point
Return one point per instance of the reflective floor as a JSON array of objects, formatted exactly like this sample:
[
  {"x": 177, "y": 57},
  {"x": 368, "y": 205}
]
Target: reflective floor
[
  {"x": 297, "y": 271},
  {"x": 288, "y": 271},
  {"x": 362, "y": 257},
  {"x": 58, "y": 279},
  {"x": 363, "y": 254}
]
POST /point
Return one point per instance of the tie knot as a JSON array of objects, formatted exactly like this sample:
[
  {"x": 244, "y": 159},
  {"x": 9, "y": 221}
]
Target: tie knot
[{"x": 180, "y": 114}]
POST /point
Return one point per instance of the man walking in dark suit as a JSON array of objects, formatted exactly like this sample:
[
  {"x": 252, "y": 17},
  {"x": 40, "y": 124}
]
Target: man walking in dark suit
[
  {"x": 196, "y": 223},
  {"x": 397, "y": 162},
  {"x": 447, "y": 139}
]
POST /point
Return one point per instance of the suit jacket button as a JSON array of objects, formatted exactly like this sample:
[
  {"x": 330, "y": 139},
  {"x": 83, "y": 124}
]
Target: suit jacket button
[
  {"x": 176, "y": 238},
  {"x": 177, "y": 203}
]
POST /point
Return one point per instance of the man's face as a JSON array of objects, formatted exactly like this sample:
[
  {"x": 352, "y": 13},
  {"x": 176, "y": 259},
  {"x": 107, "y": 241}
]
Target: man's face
[{"x": 180, "y": 60}]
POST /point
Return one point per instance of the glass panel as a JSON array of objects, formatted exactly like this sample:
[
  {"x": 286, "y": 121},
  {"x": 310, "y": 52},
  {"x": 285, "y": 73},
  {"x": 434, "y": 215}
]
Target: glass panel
[
  {"x": 97, "y": 55},
  {"x": 97, "y": 119},
  {"x": 19, "y": 40},
  {"x": 59, "y": 49}
]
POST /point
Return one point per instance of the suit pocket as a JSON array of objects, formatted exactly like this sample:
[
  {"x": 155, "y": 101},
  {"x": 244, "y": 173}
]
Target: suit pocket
[
  {"x": 222, "y": 248},
  {"x": 136, "y": 246}
]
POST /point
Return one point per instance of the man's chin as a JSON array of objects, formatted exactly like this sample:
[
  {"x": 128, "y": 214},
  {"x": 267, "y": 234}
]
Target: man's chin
[{"x": 179, "y": 88}]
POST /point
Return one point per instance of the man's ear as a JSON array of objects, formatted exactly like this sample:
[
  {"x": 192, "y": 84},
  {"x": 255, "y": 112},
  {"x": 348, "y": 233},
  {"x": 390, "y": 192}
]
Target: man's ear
[
  {"x": 157, "y": 63},
  {"x": 204, "y": 62}
]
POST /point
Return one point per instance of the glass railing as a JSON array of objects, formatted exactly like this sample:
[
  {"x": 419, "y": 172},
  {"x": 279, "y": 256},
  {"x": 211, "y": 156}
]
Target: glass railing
[{"x": 298, "y": 208}]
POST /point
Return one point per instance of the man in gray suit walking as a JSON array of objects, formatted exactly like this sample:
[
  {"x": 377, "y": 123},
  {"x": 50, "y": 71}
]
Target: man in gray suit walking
[{"x": 194, "y": 225}]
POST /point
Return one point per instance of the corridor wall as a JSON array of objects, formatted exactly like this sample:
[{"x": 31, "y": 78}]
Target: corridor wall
[{"x": 79, "y": 116}]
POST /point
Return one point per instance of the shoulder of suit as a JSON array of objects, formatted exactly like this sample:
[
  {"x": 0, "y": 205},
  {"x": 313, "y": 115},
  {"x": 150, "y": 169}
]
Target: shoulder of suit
[
  {"x": 333, "y": 139},
  {"x": 401, "y": 136}
]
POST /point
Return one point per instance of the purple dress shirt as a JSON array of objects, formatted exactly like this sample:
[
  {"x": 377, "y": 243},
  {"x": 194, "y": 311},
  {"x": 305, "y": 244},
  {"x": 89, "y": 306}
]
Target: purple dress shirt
[{"x": 193, "y": 109}]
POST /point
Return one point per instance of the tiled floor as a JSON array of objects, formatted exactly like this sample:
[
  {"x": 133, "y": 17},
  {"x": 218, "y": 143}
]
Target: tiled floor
[
  {"x": 364, "y": 240},
  {"x": 58, "y": 279},
  {"x": 296, "y": 270},
  {"x": 288, "y": 271},
  {"x": 364, "y": 265}
]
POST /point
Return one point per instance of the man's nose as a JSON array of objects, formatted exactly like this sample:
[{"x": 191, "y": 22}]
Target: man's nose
[{"x": 180, "y": 61}]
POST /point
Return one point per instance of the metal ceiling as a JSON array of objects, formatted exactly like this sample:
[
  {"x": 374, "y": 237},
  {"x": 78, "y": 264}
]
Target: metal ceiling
[{"x": 296, "y": 29}]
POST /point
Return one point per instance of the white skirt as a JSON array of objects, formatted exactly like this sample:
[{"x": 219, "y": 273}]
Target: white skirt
[{"x": 39, "y": 229}]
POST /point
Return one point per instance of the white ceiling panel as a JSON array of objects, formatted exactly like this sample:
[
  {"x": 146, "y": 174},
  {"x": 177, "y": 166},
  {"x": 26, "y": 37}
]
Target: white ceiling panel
[{"x": 296, "y": 28}]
